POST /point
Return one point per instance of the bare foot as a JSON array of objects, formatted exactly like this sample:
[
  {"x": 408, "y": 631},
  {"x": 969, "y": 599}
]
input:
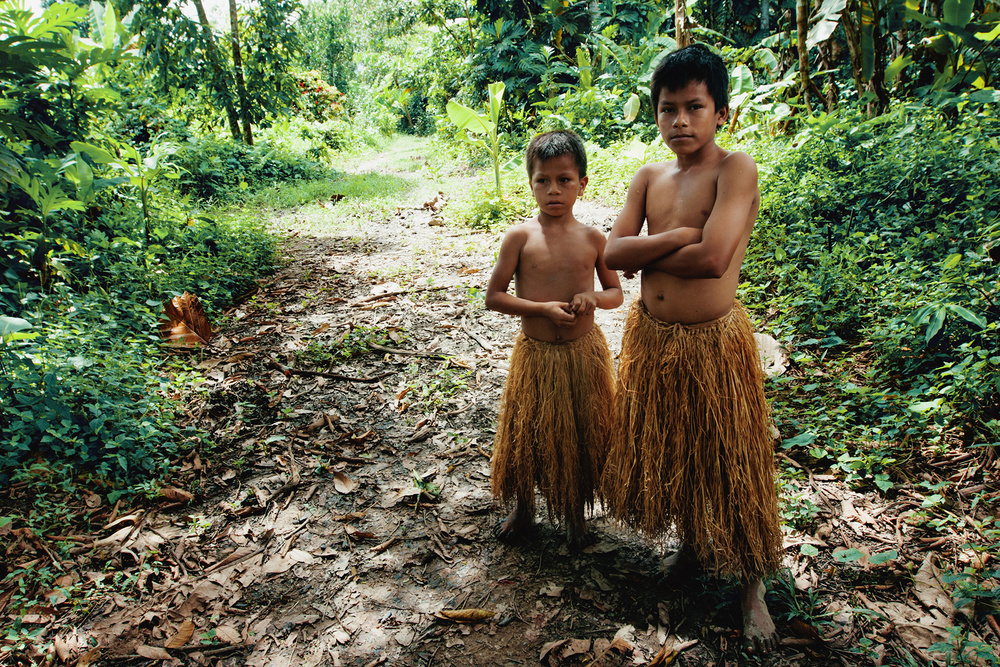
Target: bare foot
[
  {"x": 515, "y": 525},
  {"x": 758, "y": 629},
  {"x": 682, "y": 561}
]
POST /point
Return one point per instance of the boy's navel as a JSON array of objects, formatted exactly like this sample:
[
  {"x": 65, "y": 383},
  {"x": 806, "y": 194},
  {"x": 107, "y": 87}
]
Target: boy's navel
[{"x": 659, "y": 297}]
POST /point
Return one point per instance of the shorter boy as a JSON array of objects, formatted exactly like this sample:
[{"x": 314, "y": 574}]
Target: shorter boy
[{"x": 557, "y": 410}]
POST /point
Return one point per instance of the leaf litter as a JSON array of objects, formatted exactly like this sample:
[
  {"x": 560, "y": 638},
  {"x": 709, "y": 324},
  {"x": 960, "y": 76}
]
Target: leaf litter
[{"x": 343, "y": 515}]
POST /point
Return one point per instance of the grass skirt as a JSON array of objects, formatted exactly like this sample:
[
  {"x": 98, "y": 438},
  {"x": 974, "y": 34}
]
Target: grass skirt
[
  {"x": 554, "y": 425},
  {"x": 694, "y": 449}
]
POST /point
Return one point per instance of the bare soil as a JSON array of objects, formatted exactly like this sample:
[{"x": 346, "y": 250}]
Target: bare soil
[{"x": 344, "y": 511}]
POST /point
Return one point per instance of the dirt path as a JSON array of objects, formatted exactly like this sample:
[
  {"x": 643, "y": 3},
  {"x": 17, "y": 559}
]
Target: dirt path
[{"x": 353, "y": 399}]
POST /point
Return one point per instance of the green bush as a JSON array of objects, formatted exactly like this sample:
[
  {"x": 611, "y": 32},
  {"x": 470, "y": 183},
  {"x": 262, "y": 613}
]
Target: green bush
[
  {"x": 86, "y": 393},
  {"x": 879, "y": 231},
  {"x": 218, "y": 169},
  {"x": 480, "y": 208}
]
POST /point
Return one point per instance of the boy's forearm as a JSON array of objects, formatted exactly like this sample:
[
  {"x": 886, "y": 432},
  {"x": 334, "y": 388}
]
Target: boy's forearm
[
  {"x": 610, "y": 298},
  {"x": 633, "y": 253},
  {"x": 689, "y": 261},
  {"x": 508, "y": 304}
]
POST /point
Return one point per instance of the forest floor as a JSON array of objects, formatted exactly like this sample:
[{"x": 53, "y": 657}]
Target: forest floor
[{"x": 344, "y": 511}]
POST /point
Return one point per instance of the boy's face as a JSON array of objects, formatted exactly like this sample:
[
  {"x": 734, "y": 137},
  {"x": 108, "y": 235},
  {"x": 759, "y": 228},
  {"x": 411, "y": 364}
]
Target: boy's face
[
  {"x": 556, "y": 184},
  {"x": 687, "y": 118}
]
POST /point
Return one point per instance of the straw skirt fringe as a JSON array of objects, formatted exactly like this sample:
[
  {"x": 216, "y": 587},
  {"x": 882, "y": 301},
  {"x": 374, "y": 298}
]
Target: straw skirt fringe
[
  {"x": 694, "y": 449},
  {"x": 554, "y": 425}
]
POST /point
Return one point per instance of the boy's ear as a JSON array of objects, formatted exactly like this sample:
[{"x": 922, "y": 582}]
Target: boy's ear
[
  {"x": 583, "y": 183},
  {"x": 723, "y": 113}
]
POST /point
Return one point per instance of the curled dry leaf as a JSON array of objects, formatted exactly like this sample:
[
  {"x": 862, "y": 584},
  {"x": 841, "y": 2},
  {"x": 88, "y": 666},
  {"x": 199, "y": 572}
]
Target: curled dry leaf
[
  {"x": 185, "y": 324},
  {"x": 343, "y": 483},
  {"x": 464, "y": 615},
  {"x": 183, "y": 636}
]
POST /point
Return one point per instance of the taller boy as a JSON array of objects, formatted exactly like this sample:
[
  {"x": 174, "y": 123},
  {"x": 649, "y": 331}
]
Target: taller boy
[{"x": 695, "y": 450}]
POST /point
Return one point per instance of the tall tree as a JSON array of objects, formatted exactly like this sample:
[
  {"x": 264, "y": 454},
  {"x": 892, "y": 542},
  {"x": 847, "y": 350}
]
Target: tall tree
[
  {"x": 241, "y": 88},
  {"x": 221, "y": 79}
]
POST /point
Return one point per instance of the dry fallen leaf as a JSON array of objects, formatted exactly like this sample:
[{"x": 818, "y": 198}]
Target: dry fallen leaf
[
  {"x": 465, "y": 615},
  {"x": 177, "y": 495},
  {"x": 228, "y": 635},
  {"x": 343, "y": 483},
  {"x": 575, "y": 647},
  {"x": 183, "y": 636},
  {"x": 89, "y": 658},
  {"x": 185, "y": 324},
  {"x": 153, "y": 652},
  {"x": 549, "y": 647},
  {"x": 929, "y": 589}
]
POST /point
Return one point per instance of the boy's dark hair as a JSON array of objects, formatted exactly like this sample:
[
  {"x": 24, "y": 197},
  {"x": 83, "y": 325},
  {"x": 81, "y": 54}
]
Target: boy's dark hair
[
  {"x": 692, "y": 63},
  {"x": 548, "y": 145}
]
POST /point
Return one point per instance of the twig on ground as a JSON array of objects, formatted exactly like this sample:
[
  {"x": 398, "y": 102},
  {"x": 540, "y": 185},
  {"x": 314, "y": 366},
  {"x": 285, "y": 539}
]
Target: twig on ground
[
  {"x": 483, "y": 344},
  {"x": 330, "y": 376},
  {"x": 408, "y": 353},
  {"x": 376, "y": 297}
]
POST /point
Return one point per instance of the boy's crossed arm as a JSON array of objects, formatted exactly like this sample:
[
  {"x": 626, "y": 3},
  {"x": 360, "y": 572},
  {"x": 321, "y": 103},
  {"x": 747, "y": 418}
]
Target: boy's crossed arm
[
  {"x": 627, "y": 251},
  {"x": 687, "y": 252}
]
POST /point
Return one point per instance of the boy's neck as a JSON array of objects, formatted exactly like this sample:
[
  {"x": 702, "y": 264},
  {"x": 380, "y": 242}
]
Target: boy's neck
[
  {"x": 546, "y": 220},
  {"x": 704, "y": 155}
]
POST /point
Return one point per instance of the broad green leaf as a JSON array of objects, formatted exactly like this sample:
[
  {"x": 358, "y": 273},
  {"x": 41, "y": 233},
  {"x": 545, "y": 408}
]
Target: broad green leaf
[
  {"x": 847, "y": 556},
  {"x": 808, "y": 550},
  {"x": 741, "y": 80},
  {"x": 924, "y": 406},
  {"x": 467, "y": 119},
  {"x": 496, "y": 102},
  {"x": 967, "y": 315},
  {"x": 9, "y": 325},
  {"x": 882, "y": 557},
  {"x": 631, "y": 109},
  {"x": 882, "y": 482},
  {"x": 935, "y": 324},
  {"x": 827, "y": 19},
  {"x": 803, "y": 439},
  {"x": 897, "y": 66},
  {"x": 96, "y": 153},
  {"x": 767, "y": 58},
  {"x": 952, "y": 261},
  {"x": 991, "y": 35},
  {"x": 957, "y": 12},
  {"x": 636, "y": 149}
]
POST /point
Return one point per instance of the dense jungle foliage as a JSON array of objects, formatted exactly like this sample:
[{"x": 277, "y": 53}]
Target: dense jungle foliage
[{"x": 140, "y": 140}]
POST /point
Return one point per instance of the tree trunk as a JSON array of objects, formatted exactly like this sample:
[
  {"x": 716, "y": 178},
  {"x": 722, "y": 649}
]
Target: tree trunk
[
  {"x": 853, "y": 34},
  {"x": 802, "y": 29},
  {"x": 765, "y": 17},
  {"x": 241, "y": 88},
  {"x": 215, "y": 63},
  {"x": 682, "y": 31}
]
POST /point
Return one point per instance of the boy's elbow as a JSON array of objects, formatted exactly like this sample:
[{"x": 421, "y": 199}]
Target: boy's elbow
[
  {"x": 491, "y": 300},
  {"x": 613, "y": 258}
]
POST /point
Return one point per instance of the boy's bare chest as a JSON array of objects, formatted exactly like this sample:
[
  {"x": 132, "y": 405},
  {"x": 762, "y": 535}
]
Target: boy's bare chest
[
  {"x": 556, "y": 255},
  {"x": 680, "y": 200}
]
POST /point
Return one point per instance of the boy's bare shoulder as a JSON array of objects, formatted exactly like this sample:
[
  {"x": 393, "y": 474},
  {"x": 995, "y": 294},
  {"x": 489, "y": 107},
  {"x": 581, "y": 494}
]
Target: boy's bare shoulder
[
  {"x": 737, "y": 160},
  {"x": 653, "y": 169},
  {"x": 594, "y": 235}
]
